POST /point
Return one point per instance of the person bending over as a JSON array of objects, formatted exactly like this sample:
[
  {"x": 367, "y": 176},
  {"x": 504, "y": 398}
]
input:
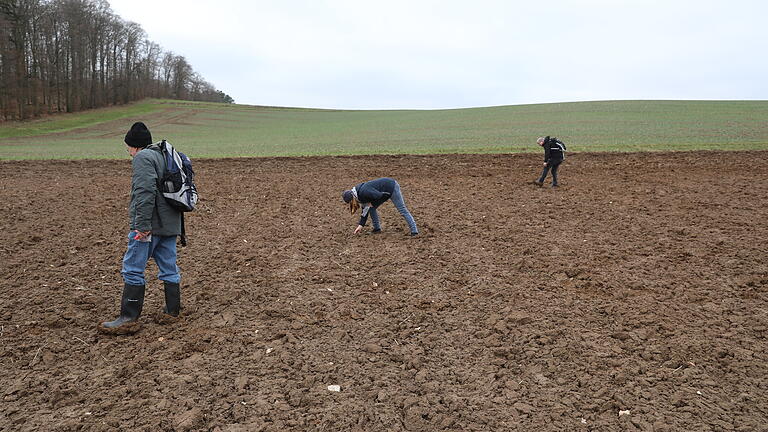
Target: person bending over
[
  {"x": 368, "y": 196},
  {"x": 554, "y": 153}
]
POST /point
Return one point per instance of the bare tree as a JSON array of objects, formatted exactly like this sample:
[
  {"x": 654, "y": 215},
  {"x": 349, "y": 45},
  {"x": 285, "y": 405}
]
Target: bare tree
[{"x": 68, "y": 55}]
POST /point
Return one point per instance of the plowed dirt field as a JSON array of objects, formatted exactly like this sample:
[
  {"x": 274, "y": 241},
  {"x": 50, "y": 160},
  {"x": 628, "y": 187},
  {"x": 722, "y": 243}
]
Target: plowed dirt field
[{"x": 634, "y": 297}]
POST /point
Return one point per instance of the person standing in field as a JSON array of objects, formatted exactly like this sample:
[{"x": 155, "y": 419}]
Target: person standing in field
[
  {"x": 554, "y": 153},
  {"x": 369, "y": 195},
  {"x": 154, "y": 226}
]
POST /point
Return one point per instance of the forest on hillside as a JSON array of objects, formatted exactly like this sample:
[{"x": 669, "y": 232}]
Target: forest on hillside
[{"x": 72, "y": 55}]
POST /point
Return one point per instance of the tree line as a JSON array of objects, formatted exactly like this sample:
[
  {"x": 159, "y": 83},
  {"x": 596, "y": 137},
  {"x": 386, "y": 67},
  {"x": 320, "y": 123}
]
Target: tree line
[{"x": 72, "y": 55}]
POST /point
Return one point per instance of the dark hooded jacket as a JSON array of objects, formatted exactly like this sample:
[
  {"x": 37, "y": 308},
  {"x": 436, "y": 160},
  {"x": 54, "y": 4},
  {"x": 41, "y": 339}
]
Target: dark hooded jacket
[
  {"x": 554, "y": 150},
  {"x": 374, "y": 192}
]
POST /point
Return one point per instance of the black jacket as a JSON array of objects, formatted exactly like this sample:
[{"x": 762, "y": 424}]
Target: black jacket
[
  {"x": 554, "y": 150},
  {"x": 374, "y": 192}
]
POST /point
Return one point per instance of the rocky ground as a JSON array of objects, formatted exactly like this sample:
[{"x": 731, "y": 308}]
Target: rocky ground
[{"x": 633, "y": 298}]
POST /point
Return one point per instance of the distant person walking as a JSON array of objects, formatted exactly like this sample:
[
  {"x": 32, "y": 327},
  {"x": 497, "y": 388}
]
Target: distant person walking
[
  {"x": 370, "y": 195},
  {"x": 554, "y": 153},
  {"x": 154, "y": 226}
]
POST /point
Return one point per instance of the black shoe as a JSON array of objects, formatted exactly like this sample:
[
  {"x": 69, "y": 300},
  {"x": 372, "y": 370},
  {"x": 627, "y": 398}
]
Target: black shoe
[
  {"x": 414, "y": 234},
  {"x": 376, "y": 231},
  {"x": 172, "y": 298},
  {"x": 538, "y": 183},
  {"x": 130, "y": 307},
  {"x": 555, "y": 186}
]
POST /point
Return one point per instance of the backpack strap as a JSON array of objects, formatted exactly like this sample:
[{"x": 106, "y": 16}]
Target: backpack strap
[{"x": 183, "y": 236}]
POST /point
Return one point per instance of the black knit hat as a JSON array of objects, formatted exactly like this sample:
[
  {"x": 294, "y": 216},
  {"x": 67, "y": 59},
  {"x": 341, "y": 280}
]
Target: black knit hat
[
  {"x": 347, "y": 196},
  {"x": 138, "y": 136}
]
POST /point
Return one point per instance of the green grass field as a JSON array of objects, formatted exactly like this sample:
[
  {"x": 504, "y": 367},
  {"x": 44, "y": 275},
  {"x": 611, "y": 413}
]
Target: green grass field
[{"x": 221, "y": 130}]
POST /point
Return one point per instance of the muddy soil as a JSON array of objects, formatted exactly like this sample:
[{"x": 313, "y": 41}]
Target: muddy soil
[{"x": 633, "y": 298}]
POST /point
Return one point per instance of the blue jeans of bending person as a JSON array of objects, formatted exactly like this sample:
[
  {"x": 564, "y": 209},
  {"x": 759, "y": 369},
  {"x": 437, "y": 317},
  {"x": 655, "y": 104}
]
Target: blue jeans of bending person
[
  {"x": 161, "y": 248},
  {"x": 399, "y": 202}
]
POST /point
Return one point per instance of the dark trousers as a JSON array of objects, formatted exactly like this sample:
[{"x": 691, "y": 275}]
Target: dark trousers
[{"x": 554, "y": 165}]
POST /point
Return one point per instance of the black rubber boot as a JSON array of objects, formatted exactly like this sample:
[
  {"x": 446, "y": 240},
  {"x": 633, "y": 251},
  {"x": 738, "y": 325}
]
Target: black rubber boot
[
  {"x": 130, "y": 306},
  {"x": 172, "y": 298}
]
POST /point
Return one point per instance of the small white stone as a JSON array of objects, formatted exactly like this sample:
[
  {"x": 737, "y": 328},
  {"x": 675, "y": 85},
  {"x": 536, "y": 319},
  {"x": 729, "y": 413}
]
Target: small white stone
[
  {"x": 623, "y": 412},
  {"x": 583, "y": 420},
  {"x": 269, "y": 350},
  {"x": 334, "y": 388}
]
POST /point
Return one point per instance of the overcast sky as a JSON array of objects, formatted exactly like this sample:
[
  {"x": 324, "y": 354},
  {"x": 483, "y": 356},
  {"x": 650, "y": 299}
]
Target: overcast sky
[{"x": 362, "y": 54}]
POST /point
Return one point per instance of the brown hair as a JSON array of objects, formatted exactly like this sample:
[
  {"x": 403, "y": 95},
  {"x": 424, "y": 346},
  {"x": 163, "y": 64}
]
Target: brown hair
[{"x": 353, "y": 206}]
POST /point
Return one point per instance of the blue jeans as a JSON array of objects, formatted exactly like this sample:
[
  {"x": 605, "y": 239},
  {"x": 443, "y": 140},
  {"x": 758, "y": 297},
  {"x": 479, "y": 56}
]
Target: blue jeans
[
  {"x": 161, "y": 248},
  {"x": 399, "y": 202}
]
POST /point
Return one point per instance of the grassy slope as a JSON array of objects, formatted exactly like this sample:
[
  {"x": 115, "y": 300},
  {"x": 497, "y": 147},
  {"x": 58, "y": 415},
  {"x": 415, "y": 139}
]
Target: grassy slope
[
  {"x": 68, "y": 122},
  {"x": 218, "y": 130}
]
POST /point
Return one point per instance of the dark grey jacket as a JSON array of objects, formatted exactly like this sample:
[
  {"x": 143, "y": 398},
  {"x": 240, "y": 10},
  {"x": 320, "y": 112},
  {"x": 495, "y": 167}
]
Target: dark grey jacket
[
  {"x": 374, "y": 192},
  {"x": 148, "y": 210}
]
